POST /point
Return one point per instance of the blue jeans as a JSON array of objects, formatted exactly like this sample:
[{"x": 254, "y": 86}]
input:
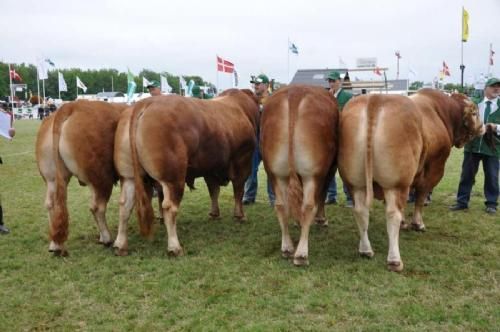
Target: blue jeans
[
  {"x": 251, "y": 183},
  {"x": 331, "y": 194},
  {"x": 470, "y": 167}
]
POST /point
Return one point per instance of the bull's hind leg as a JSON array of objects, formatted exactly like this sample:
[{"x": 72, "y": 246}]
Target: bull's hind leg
[
  {"x": 49, "y": 205},
  {"x": 173, "y": 195},
  {"x": 213, "y": 190},
  {"x": 127, "y": 200},
  {"x": 418, "y": 221},
  {"x": 238, "y": 190},
  {"x": 98, "y": 204},
  {"x": 393, "y": 214},
  {"x": 280, "y": 187},
  {"x": 308, "y": 212},
  {"x": 361, "y": 213}
]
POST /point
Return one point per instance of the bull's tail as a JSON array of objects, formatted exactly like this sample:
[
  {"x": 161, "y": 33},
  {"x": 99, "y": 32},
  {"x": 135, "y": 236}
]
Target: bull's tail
[
  {"x": 371, "y": 116},
  {"x": 145, "y": 213},
  {"x": 295, "y": 191},
  {"x": 60, "y": 219}
]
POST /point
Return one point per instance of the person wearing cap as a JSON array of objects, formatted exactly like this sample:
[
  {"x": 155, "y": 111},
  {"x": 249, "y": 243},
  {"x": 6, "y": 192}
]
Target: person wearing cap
[
  {"x": 342, "y": 97},
  {"x": 154, "y": 88},
  {"x": 479, "y": 150},
  {"x": 261, "y": 88}
]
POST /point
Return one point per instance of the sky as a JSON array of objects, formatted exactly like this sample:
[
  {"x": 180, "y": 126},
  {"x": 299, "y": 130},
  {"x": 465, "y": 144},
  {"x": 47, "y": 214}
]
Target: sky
[{"x": 184, "y": 37}]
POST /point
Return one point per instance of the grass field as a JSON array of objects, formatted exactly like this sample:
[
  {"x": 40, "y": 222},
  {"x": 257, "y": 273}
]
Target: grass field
[{"x": 232, "y": 276}]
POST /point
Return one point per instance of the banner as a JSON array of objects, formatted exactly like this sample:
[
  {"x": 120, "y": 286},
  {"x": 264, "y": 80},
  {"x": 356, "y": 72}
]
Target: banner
[
  {"x": 145, "y": 82},
  {"x": 43, "y": 72},
  {"x": 62, "y": 82},
  {"x": 80, "y": 85},
  {"x": 164, "y": 85},
  {"x": 131, "y": 85},
  {"x": 465, "y": 25}
]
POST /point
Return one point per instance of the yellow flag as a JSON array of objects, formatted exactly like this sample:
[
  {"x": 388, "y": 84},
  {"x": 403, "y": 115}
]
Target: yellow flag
[{"x": 465, "y": 25}]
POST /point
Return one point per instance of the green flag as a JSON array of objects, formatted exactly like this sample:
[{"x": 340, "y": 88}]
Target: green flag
[{"x": 131, "y": 86}]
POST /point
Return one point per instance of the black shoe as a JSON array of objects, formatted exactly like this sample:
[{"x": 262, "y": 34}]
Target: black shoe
[
  {"x": 491, "y": 210},
  {"x": 330, "y": 201},
  {"x": 4, "y": 230},
  {"x": 457, "y": 207},
  {"x": 248, "y": 202}
]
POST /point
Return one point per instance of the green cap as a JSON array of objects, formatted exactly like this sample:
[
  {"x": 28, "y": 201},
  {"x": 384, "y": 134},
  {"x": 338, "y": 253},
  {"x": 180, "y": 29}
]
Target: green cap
[
  {"x": 153, "y": 84},
  {"x": 333, "y": 75},
  {"x": 260, "y": 79},
  {"x": 492, "y": 81}
]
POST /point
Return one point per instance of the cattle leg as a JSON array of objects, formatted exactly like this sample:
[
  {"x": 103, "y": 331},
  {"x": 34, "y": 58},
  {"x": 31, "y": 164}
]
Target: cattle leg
[
  {"x": 98, "y": 205},
  {"x": 127, "y": 200},
  {"x": 320, "y": 216},
  {"x": 213, "y": 190},
  {"x": 393, "y": 216},
  {"x": 49, "y": 205},
  {"x": 308, "y": 210},
  {"x": 170, "y": 206},
  {"x": 418, "y": 222},
  {"x": 362, "y": 216},
  {"x": 238, "y": 191},
  {"x": 280, "y": 188}
]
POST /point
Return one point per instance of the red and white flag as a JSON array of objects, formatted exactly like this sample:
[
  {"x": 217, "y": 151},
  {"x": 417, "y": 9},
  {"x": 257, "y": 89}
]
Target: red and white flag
[
  {"x": 446, "y": 70},
  {"x": 224, "y": 65},
  {"x": 492, "y": 53},
  {"x": 377, "y": 71},
  {"x": 15, "y": 76}
]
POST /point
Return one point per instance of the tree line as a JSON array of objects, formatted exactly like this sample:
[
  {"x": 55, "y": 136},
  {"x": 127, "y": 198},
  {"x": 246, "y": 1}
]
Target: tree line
[{"x": 95, "y": 80}]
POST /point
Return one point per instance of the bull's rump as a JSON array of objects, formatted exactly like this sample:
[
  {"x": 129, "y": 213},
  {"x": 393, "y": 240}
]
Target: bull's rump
[
  {"x": 177, "y": 135},
  {"x": 396, "y": 141},
  {"x": 314, "y": 128}
]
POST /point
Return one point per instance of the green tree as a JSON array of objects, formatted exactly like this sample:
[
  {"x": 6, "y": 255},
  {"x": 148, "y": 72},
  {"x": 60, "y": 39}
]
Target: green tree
[{"x": 416, "y": 85}]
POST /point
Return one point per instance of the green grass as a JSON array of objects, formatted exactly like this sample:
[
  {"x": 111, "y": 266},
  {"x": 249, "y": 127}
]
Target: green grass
[{"x": 232, "y": 276}]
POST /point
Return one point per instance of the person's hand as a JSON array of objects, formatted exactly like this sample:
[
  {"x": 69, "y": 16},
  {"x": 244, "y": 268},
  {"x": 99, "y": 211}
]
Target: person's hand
[
  {"x": 12, "y": 132},
  {"x": 491, "y": 127}
]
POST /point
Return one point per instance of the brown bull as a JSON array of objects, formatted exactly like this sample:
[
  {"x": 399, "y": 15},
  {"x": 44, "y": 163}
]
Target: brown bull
[
  {"x": 174, "y": 140},
  {"x": 77, "y": 140},
  {"x": 299, "y": 146},
  {"x": 391, "y": 143}
]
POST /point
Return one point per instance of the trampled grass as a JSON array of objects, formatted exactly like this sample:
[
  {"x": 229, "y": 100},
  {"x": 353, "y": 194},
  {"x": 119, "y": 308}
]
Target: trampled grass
[{"x": 232, "y": 276}]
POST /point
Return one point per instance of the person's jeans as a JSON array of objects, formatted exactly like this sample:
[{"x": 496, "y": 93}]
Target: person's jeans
[
  {"x": 251, "y": 183},
  {"x": 470, "y": 166},
  {"x": 331, "y": 194}
]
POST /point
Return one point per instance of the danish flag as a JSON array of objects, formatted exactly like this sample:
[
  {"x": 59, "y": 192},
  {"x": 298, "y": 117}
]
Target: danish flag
[
  {"x": 446, "y": 70},
  {"x": 224, "y": 65}
]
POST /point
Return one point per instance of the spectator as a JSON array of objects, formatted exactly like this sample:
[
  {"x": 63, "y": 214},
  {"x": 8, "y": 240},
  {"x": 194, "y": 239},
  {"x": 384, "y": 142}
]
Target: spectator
[
  {"x": 261, "y": 88},
  {"x": 485, "y": 148},
  {"x": 3, "y": 228},
  {"x": 154, "y": 88},
  {"x": 342, "y": 97}
]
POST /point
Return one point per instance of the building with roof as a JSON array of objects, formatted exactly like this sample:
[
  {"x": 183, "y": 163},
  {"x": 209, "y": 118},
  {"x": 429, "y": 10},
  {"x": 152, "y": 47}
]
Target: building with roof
[{"x": 317, "y": 77}]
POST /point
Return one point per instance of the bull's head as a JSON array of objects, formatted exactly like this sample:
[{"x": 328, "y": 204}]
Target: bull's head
[{"x": 471, "y": 125}]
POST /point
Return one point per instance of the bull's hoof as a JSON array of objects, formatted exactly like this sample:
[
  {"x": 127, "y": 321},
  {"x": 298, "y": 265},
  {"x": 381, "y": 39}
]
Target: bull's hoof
[
  {"x": 366, "y": 254},
  {"x": 417, "y": 227},
  {"x": 323, "y": 222},
  {"x": 214, "y": 216},
  {"x": 286, "y": 254},
  {"x": 160, "y": 220},
  {"x": 300, "y": 261},
  {"x": 121, "y": 252},
  {"x": 175, "y": 252},
  {"x": 395, "y": 266},
  {"x": 60, "y": 253},
  {"x": 107, "y": 244},
  {"x": 240, "y": 219},
  {"x": 404, "y": 226}
]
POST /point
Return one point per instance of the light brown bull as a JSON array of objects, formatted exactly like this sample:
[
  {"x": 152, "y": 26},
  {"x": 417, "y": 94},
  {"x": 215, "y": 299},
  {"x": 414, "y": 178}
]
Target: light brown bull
[
  {"x": 299, "y": 146},
  {"x": 391, "y": 143},
  {"x": 174, "y": 140},
  {"x": 77, "y": 140}
]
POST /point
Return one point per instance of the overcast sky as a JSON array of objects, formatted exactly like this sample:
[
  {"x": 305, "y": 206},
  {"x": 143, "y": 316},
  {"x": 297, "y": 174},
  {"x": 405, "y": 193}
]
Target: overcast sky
[{"x": 183, "y": 37}]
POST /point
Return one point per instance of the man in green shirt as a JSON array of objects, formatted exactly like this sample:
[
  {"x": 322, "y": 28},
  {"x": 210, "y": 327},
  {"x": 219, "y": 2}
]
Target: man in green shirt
[
  {"x": 342, "y": 96},
  {"x": 482, "y": 150}
]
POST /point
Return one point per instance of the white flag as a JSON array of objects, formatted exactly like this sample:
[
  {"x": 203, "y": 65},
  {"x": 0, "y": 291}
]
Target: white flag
[
  {"x": 145, "y": 82},
  {"x": 183, "y": 84},
  {"x": 81, "y": 85},
  {"x": 164, "y": 84},
  {"x": 43, "y": 72},
  {"x": 62, "y": 83}
]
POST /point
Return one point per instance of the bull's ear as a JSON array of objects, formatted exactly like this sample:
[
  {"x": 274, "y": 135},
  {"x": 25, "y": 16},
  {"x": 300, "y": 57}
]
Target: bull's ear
[{"x": 251, "y": 95}]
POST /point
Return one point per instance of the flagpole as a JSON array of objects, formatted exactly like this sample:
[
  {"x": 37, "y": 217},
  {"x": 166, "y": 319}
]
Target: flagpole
[
  {"x": 489, "y": 60},
  {"x": 76, "y": 88},
  {"x": 11, "y": 92},
  {"x": 58, "y": 74},
  {"x": 112, "y": 85},
  {"x": 462, "y": 67},
  {"x": 43, "y": 87},
  {"x": 288, "y": 60},
  {"x": 38, "y": 85}
]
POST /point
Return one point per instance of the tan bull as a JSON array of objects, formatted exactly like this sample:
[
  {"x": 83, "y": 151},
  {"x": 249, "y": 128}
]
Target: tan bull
[
  {"x": 77, "y": 140},
  {"x": 391, "y": 143},
  {"x": 174, "y": 140},
  {"x": 299, "y": 146}
]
